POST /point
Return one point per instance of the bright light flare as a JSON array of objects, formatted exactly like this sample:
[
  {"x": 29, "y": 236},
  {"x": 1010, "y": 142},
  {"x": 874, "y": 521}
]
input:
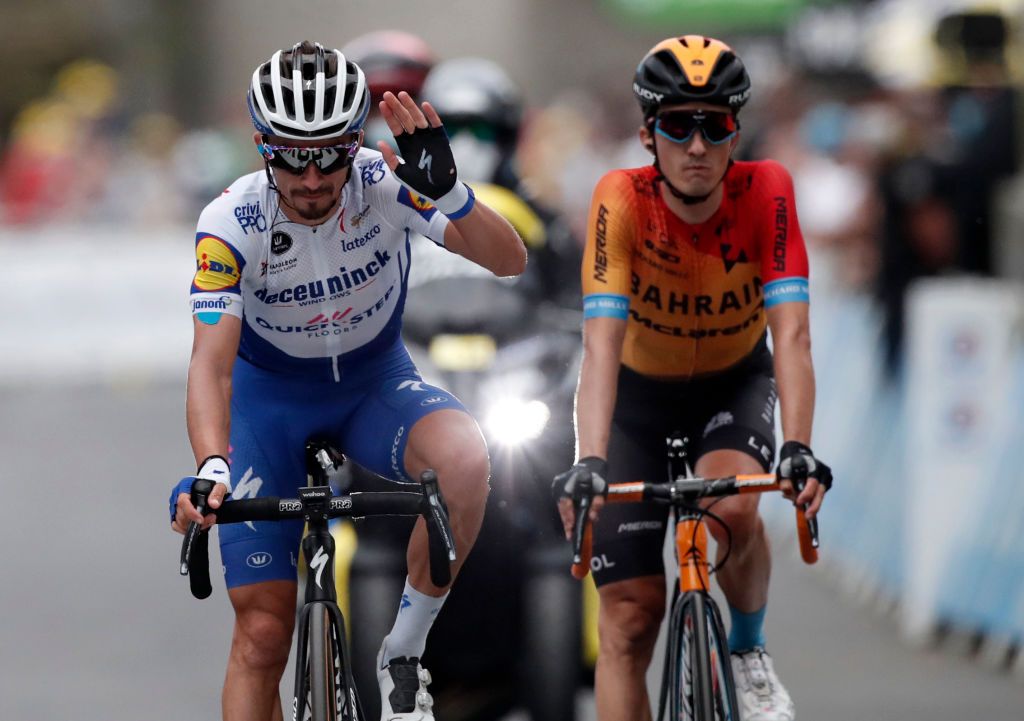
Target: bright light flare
[{"x": 513, "y": 421}]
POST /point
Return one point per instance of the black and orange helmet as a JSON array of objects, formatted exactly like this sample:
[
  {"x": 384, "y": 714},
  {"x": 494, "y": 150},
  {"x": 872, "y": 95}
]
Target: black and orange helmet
[{"x": 692, "y": 68}]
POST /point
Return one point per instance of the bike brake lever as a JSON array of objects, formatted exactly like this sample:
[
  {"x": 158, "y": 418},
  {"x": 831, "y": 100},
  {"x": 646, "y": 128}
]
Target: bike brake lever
[
  {"x": 195, "y": 560},
  {"x": 799, "y": 483},
  {"x": 440, "y": 541},
  {"x": 582, "y": 501},
  {"x": 805, "y": 525},
  {"x": 582, "y": 510}
]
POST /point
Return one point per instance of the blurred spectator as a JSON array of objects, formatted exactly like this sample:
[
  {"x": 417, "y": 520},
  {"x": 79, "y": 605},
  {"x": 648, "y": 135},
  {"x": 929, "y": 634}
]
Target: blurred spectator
[
  {"x": 393, "y": 61},
  {"x": 958, "y": 144},
  {"x": 482, "y": 110},
  {"x": 919, "y": 233},
  {"x": 979, "y": 101},
  {"x": 58, "y": 145}
]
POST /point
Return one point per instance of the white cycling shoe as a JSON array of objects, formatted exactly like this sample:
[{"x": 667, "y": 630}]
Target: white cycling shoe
[
  {"x": 403, "y": 689},
  {"x": 760, "y": 694}
]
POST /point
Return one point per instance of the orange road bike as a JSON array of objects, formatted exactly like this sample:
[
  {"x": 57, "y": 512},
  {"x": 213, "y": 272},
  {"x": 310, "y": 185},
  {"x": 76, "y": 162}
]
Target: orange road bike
[{"x": 697, "y": 678}]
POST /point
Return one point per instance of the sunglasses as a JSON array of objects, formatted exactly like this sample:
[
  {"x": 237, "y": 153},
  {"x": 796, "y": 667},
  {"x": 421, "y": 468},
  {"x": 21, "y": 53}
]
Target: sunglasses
[
  {"x": 680, "y": 125},
  {"x": 478, "y": 129},
  {"x": 328, "y": 159}
]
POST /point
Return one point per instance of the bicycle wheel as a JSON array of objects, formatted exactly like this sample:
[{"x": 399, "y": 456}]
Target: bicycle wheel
[
  {"x": 691, "y": 695},
  {"x": 326, "y": 682},
  {"x": 723, "y": 685}
]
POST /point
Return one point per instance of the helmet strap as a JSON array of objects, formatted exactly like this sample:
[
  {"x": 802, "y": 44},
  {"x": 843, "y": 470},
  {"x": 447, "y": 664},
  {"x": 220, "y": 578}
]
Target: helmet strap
[
  {"x": 686, "y": 197},
  {"x": 280, "y": 196}
]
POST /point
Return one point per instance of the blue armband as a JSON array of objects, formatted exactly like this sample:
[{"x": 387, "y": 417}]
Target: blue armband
[
  {"x": 605, "y": 305},
  {"x": 786, "y": 290}
]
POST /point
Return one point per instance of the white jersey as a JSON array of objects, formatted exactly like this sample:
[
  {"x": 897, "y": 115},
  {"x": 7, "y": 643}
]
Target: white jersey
[{"x": 311, "y": 299}]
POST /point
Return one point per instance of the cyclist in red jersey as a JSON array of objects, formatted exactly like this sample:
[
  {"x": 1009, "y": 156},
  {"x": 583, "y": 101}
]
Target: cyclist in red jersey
[{"x": 688, "y": 264}]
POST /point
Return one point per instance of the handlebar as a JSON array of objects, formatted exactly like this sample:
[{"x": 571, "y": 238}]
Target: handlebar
[
  {"x": 427, "y": 502},
  {"x": 680, "y": 492}
]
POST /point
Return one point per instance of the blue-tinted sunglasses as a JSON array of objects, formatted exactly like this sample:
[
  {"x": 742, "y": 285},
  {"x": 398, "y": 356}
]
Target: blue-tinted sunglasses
[{"x": 680, "y": 125}]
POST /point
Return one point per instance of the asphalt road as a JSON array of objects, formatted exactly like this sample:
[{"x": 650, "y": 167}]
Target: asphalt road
[{"x": 97, "y": 625}]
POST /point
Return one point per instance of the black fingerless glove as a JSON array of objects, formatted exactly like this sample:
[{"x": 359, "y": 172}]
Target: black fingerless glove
[
  {"x": 428, "y": 169},
  {"x": 797, "y": 459},
  {"x": 565, "y": 484}
]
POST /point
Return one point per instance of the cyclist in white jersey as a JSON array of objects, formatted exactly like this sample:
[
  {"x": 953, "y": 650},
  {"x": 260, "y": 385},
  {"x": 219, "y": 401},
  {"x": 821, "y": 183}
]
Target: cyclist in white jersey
[{"x": 301, "y": 276}]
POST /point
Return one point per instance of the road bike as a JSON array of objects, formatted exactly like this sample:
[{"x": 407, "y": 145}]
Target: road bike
[
  {"x": 697, "y": 681},
  {"x": 324, "y": 688}
]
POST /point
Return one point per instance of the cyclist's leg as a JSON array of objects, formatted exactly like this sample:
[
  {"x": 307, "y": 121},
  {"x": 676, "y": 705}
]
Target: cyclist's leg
[
  {"x": 630, "y": 576},
  {"x": 739, "y": 438},
  {"x": 408, "y": 426},
  {"x": 628, "y": 621},
  {"x": 450, "y": 442},
  {"x": 400, "y": 430},
  {"x": 744, "y": 579},
  {"x": 260, "y": 559},
  {"x": 264, "y": 621}
]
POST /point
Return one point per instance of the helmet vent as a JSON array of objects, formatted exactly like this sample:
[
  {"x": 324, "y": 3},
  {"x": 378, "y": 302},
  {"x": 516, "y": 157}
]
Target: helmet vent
[{"x": 309, "y": 103}]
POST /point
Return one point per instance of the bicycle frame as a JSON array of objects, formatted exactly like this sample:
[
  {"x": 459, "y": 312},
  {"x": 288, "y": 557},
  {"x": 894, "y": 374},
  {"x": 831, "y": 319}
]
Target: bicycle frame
[
  {"x": 320, "y": 588},
  {"x": 709, "y": 663},
  {"x": 316, "y": 505}
]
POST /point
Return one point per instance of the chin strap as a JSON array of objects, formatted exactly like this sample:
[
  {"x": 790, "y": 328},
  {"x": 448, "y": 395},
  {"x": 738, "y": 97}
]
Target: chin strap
[
  {"x": 270, "y": 177},
  {"x": 280, "y": 195},
  {"x": 273, "y": 186},
  {"x": 686, "y": 197}
]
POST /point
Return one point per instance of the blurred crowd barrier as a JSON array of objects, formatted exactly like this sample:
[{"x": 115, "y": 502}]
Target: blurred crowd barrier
[
  {"x": 96, "y": 304},
  {"x": 927, "y": 511}
]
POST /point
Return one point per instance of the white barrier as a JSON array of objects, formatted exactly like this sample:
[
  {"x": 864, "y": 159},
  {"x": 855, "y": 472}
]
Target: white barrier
[
  {"x": 959, "y": 352},
  {"x": 95, "y": 304},
  {"x": 927, "y": 506}
]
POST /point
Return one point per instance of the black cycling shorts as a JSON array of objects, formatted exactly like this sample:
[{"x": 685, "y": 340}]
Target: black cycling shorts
[{"x": 730, "y": 410}]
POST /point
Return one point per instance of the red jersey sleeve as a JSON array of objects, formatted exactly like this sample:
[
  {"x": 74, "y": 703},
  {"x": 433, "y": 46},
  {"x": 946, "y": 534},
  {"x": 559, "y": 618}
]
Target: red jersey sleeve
[
  {"x": 608, "y": 255},
  {"x": 783, "y": 253}
]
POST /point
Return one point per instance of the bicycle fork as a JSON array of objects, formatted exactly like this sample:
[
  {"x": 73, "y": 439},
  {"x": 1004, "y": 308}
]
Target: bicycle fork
[{"x": 321, "y": 596}]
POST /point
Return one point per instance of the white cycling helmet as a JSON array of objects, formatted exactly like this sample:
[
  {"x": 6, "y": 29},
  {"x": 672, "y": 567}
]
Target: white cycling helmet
[{"x": 308, "y": 93}]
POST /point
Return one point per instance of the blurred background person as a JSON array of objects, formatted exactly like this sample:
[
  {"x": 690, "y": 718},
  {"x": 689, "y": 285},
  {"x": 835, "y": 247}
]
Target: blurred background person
[
  {"x": 505, "y": 346},
  {"x": 484, "y": 114},
  {"x": 393, "y": 61}
]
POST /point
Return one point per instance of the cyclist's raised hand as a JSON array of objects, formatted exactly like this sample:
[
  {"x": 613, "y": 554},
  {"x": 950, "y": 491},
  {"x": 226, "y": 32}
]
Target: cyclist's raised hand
[
  {"x": 427, "y": 165},
  {"x": 797, "y": 462},
  {"x": 568, "y": 489},
  {"x": 214, "y": 468}
]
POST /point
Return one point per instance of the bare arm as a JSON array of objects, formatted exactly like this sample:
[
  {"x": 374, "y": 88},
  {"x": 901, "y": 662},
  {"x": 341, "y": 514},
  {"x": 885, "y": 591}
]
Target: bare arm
[
  {"x": 596, "y": 393},
  {"x": 595, "y": 399},
  {"x": 208, "y": 405},
  {"x": 488, "y": 240},
  {"x": 208, "y": 396},
  {"x": 794, "y": 373}
]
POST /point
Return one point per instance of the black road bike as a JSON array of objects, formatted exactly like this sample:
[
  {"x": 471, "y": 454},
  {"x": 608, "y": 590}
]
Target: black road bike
[{"x": 324, "y": 688}]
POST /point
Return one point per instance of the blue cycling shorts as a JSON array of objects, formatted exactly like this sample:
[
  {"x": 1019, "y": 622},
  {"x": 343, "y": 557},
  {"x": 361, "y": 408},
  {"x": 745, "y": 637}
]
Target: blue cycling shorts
[{"x": 367, "y": 415}]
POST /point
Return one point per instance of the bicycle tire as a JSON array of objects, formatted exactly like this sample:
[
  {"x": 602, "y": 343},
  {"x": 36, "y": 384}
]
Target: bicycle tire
[
  {"x": 691, "y": 696},
  {"x": 325, "y": 683},
  {"x": 726, "y": 706}
]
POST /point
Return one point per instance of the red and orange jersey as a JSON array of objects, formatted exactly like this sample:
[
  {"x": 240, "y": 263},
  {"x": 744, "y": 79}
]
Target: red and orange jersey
[{"x": 693, "y": 296}]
